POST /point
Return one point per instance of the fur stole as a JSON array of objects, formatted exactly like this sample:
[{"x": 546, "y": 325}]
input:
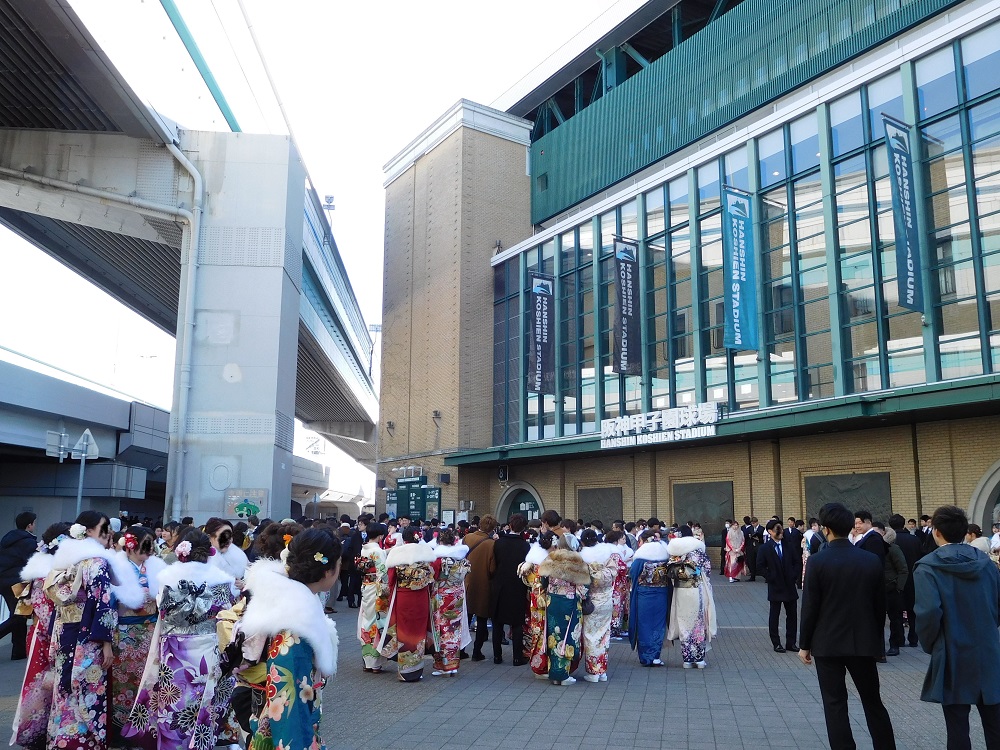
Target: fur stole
[
  {"x": 233, "y": 561},
  {"x": 371, "y": 549},
  {"x": 624, "y": 552},
  {"x": 684, "y": 545},
  {"x": 599, "y": 553},
  {"x": 39, "y": 565},
  {"x": 409, "y": 554},
  {"x": 565, "y": 565},
  {"x": 130, "y": 590},
  {"x": 455, "y": 551},
  {"x": 300, "y": 612},
  {"x": 195, "y": 572},
  {"x": 536, "y": 555},
  {"x": 652, "y": 551},
  {"x": 73, "y": 551}
]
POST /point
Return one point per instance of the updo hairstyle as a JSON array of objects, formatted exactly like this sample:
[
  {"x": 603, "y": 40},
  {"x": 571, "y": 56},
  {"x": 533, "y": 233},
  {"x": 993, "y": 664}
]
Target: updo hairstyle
[
  {"x": 311, "y": 554},
  {"x": 412, "y": 534},
  {"x": 201, "y": 545},
  {"x": 52, "y": 533},
  {"x": 588, "y": 538},
  {"x": 446, "y": 537},
  {"x": 271, "y": 541},
  {"x": 92, "y": 519}
]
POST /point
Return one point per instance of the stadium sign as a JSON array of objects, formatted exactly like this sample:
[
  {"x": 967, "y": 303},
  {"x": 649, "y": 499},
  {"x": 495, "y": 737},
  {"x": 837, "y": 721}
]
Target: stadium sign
[{"x": 661, "y": 426}]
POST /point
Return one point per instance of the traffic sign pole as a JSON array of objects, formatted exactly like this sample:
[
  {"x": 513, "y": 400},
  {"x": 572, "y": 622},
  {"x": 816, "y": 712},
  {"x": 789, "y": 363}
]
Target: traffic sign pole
[{"x": 83, "y": 462}]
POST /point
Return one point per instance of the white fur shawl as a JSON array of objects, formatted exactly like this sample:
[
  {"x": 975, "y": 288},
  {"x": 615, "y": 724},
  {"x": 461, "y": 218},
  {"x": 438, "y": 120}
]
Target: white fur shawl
[
  {"x": 454, "y": 551},
  {"x": 298, "y": 610},
  {"x": 653, "y": 551},
  {"x": 624, "y": 551},
  {"x": 599, "y": 553},
  {"x": 684, "y": 545},
  {"x": 39, "y": 565},
  {"x": 154, "y": 567},
  {"x": 409, "y": 554},
  {"x": 126, "y": 585},
  {"x": 372, "y": 549},
  {"x": 195, "y": 572},
  {"x": 536, "y": 555},
  {"x": 233, "y": 561}
]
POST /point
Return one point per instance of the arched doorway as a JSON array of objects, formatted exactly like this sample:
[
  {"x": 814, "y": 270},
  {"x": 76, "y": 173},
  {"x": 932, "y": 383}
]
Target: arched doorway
[
  {"x": 519, "y": 497},
  {"x": 984, "y": 507}
]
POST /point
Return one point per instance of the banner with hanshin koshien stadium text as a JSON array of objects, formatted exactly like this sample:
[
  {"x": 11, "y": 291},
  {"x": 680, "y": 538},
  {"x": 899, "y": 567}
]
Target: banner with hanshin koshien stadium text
[
  {"x": 542, "y": 346},
  {"x": 908, "y": 284},
  {"x": 627, "y": 356},
  {"x": 739, "y": 270}
]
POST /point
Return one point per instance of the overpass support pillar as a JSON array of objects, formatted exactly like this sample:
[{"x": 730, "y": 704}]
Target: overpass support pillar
[{"x": 237, "y": 433}]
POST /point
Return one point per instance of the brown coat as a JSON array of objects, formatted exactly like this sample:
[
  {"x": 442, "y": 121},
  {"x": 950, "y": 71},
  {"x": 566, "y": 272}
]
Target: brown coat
[{"x": 477, "y": 582}]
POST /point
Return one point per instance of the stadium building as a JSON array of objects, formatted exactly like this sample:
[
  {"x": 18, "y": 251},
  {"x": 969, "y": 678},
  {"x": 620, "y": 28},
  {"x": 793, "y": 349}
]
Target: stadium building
[{"x": 713, "y": 259}]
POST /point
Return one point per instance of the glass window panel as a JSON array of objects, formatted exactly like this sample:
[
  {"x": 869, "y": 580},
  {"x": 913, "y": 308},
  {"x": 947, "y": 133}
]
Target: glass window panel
[
  {"x": 531, "y": 258},
  {"x": 991, "y": 273},
  {"x": 684, "y": 371},
  {"x": 883, "y": 195},
  {"x": 942, "y": 136},
  {"x": 906, "y": 367},
  {"x": 500, "y": 281},
  {"x": 771, "y": 153},
  {"x": 777, "y": 264},
  {"x": 850, "y": 173},
  {"x": 956, "y": 281},
  {"x": 548, "y": 264},
  {"x": 678, "y": 191},
  {"x": 630, "y": 219},
  {"x": 812, "y": 252},
  {"x": 959, "y": 319},
  {"x": 660, "y": 389},
  {"x": 936, "y": 89},
  {"x": 708, "y": 186},
  {"x": 661, "y": 328},
  {"x": 852, "y": 205},
  {"x": 781, "y": 369},
  {"x": 960, "y": 357},
  {"x": 984, "y": 119},
  {"x": 846, "y": 123},
  {"x": 854, "y": 237},
  {"x": 609, "y": 228},
  {"x": 862, "y": 340},
  {"x": 981, "y": 60},
  {"x": 905, "y": 331},
  {"x": 776, "y": 233},
  {"x": 857, "y": 271},
  {"x": 711, "y": 242},
  {"x": 804, "y": 137},
  {"x": 949, "y": 208},
  {"x": 884, "y": 96},
  {"x": 867, "y": 375},
  {"x": 818, "y": 348},
  {"x": 985, "y": 162},
  {"x": 568, "y": 251},
  {"x": 585, "y": 242},
  {"x": 817, "y": 318},
  {"x": 808, "y": 191},
  {"x": 880, "y": 162},
  {"x": 680, "y": 257},
  {"x": 886, "y": 227},
  {"x": 820, "y": 381},
  {"x": 737, "y": 170},
  {"x": 952, "y": 244},
  {"x": 712, "y": 286},
  {"x": 655, "y": 221},
  {"x": 682, "y": 295}
]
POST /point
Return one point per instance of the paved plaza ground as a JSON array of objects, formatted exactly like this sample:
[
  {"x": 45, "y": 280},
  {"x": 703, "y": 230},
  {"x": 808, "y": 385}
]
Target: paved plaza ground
[{"x": 748, "y": 697}]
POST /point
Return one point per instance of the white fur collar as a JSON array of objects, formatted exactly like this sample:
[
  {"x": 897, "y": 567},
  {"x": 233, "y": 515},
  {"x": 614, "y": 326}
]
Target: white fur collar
[
  {"x": 371, "y": 548},
  {"x": 131, "y": 589},
  {"x": 599, "y": 553},
  {"x": 684, "y": 545},
  {"x": 39, "y": 565},
  {"x": 300, "y": 612},
  {"x": 455, "y": 551},
  {"x": 624, "y": 552},
  {"x": 409, "y": 554},
  {"x": 233, "y": 561},
  {"x": 536, "y": 555},
  {"x": 195, "y": 572},
  {"x": 653, "y": 551},
  {"x": 73, "y": 551}
]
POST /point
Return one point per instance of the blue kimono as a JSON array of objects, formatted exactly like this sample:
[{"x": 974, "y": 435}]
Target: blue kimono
[{"x": 649, "y": 601}]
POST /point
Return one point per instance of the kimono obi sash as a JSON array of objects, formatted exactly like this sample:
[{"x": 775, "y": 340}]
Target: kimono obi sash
[
  {"x": 137, "y": 619},
  {"x": 368, "y": 569},
  {"x": 72, "y": 612},
  {"x": 688, "y": 583},
  {"x": 654, "y": 575},
  {"x": 414, "y": 577},
  {"x": 559, "y": 587},
  {"x": 453, "y": 571}
]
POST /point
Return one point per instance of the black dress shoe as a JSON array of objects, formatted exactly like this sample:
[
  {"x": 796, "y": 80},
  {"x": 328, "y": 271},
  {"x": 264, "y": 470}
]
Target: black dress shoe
[
  {"x": 792, "y": 647},
  {"x": 882, "y": 660},
  {"x": 779, "y": 649},
  {"x": 892, "y": 652},
  {"x": 505, "y": 642},
  {"x": 519, "y": 662},
  {"x": 498, "y": 660},
  {"x": 477, "y": 657},
  {"x": 462, "y": 655},
  {"x": 914, "y": 644}
]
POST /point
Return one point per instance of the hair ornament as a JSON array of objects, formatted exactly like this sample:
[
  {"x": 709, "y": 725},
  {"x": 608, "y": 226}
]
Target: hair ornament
[
  {"x": 321, "y": 558},
  {"x": 130, "y": 541},
  {"x": 78, "y": 531},
  {"x": 288, "y": 539},
  {"x": 183, "y": 550},
  {"x": 56, "y": 542},
  {"x": 212, "y": 551}
]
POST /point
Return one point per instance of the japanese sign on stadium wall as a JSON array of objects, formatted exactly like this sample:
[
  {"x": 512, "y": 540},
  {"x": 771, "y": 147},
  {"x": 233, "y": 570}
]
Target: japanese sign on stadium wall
[
  {"x": 739, "y": 270},
  {"x": 542, "y": 348},
  {"x": 627, "y": 356},
  {"x": 897, "y": 136},
  {"x": 662, "y": 426}
]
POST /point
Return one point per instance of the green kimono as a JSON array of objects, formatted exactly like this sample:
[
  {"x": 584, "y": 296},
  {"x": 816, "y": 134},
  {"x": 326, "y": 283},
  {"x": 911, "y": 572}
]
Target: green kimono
[{"x": 292, "y": 709}]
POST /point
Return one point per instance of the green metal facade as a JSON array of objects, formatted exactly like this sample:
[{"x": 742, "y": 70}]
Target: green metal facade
[{"x": 754, "y": 54}]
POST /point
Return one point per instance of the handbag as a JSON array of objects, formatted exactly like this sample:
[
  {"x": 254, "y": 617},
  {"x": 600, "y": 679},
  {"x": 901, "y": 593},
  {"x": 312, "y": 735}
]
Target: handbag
[
  {"x": 588, "y": 605},
  {"x": 22, "y": 592}
]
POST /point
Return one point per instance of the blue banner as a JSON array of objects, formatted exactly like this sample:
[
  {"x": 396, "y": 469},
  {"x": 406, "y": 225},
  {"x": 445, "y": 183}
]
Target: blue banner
[
  {"x": 897, "y": 137},
  {"x": 542, "y": 349},
  {"x": 627, "y": 359},
  {"x": 739, "y": 270}
]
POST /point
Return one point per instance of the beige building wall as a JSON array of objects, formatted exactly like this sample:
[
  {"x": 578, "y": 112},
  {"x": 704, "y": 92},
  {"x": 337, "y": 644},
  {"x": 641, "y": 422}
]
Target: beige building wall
[{"x": 456, "y": 195}]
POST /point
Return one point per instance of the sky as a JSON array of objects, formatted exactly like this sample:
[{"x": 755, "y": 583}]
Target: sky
[{"x": 357, "y": 83}]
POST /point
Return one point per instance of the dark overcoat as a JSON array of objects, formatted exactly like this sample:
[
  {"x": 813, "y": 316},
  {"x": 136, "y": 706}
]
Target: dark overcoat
[{"x": 509, "y": 600}]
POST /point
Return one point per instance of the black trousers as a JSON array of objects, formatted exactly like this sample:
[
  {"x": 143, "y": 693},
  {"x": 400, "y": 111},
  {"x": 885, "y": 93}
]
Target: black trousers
[
  {"x": 482, "y": 632},
  {"x": 894, "y": 611},
  {"x": 791, "y": 622},
  {"x": 516, "y": 640},
  {"x": 15, "y": 625},
  {"x": 831, "y": 673},
  {"x": 752, "y": 559},
  {"x": 956, "y": 721}
]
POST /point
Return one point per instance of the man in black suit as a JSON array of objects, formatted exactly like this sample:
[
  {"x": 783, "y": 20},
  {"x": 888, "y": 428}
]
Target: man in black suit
[
  {"x": 776, "y": 564},
  {"x": 843, "y": 612},
  {"x": 869, "y": 539},
  {"x": 753, "y": 533},
  {"x": 793, "y": 541},
  {"x": 912, "y": 551},
  {"x": 508, "y": 596}
]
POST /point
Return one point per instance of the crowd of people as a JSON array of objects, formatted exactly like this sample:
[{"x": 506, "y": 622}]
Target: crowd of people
[{"x": 168, "y": 637}]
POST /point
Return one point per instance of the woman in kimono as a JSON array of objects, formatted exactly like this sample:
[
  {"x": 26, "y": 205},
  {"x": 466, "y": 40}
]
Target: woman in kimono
[
  {"x": 603, "y": 561},
  {"x": 735, "y": 552},
  {"x": 83, "y": 630},
  {"x": 410, "y": 579},
  {"x": 692, "y": 612},
  {"x": 534, "y": 632},
  {"x": 620, "y": 588},
  {"x": 565, "y": 579},
  {"x": 450, "y": 618},
  {"x": 301, "y": 641},
  {"x": 374, "y": 610},
  {"x": 649, "y": 604},
  {"x": 31, "y": 719},
  {"x": 135, "y": 624},
  {"x": 183, "y": 696},
  {"x": 227, "y": 556}
]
